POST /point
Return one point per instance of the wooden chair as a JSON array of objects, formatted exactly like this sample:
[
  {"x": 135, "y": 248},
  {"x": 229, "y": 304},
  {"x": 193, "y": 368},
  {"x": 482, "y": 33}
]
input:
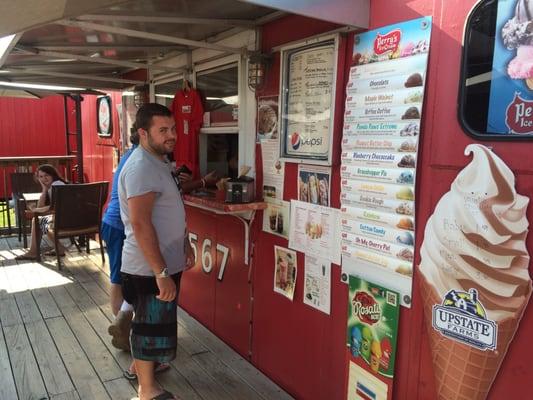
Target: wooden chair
[
  {"x": 77, "y": 211},
  {"x": 22, "y": 182}
]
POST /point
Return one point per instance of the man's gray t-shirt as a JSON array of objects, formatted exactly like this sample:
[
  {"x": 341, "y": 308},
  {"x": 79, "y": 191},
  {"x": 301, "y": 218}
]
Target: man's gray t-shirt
[{"x": 144, "y": 173}]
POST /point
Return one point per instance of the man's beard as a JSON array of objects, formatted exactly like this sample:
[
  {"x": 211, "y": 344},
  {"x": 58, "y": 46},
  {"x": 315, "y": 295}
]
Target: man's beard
[{"x": 160, "y": 148}]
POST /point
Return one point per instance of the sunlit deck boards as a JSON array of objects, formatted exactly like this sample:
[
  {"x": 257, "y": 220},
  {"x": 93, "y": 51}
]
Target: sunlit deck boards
[{"x": 54, "y": 342}]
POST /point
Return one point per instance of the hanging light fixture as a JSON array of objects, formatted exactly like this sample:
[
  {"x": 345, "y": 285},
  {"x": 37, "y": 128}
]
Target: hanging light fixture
[
  {"x": 140, "y": 95},
  {"x": 258, "y": 64}
]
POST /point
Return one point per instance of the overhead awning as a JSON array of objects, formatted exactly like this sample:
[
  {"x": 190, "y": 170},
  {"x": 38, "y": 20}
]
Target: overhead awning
[
  {"x": 19, "y": 16},
  {"x": 96, "y": 44},
  {"x": 354, "y": 13}
]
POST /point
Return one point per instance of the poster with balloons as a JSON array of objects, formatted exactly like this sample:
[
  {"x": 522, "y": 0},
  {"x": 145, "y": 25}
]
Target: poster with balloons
[{"x": 371, "y": 339}]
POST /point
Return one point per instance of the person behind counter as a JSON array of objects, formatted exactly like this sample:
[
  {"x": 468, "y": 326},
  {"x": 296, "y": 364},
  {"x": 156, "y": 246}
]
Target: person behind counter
[
  {"x": 48, "y": 177},
  {"x": 156, "y": 249}
]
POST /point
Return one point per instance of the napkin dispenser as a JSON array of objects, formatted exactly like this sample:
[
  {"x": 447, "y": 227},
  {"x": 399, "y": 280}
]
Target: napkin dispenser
[{"x": 240, "y": 190}]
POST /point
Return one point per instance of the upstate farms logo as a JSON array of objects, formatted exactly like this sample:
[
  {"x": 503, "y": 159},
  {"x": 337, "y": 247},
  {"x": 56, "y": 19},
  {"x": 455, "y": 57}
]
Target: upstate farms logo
[
  {"x": 519, "y": 115},
  {"x": 462, "y": 317},
  {"x": 365, "y": 308},
  {"x": 388, "y": 42}
]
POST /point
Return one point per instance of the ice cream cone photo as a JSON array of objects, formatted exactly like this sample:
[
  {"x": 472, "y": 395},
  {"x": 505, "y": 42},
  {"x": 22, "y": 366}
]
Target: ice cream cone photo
[
  {"x": 474, "y": 279},
  {"x": 516, "y": 34}
]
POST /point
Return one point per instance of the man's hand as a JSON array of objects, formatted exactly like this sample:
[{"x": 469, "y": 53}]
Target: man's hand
[
  {"x": 167, "y": 289},
  {"x": 211, "y": 178},
  {"x": 184, "y": 177}
]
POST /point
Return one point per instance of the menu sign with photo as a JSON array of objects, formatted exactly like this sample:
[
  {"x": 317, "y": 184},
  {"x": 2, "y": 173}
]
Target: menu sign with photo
[
  {"x": 276, "y": 217},
  {"x": 314, "y": 230},
  {"x": 314, "y": 184},
  {"x": 317, "y": 287},
  {"x": 273, "y": 170},
  {"x": 384, "y": 105},
  {"x": 267, "y": 118},
  {"x": 307, "y": 101}
]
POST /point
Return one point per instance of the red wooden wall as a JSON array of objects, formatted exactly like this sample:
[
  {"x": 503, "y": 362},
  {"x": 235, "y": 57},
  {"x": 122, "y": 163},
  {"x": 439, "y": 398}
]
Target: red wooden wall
[
  {"x": 31, "y": 127},
  {"x": 298, "y": 347},
  {"x": 303, "y": 349}
]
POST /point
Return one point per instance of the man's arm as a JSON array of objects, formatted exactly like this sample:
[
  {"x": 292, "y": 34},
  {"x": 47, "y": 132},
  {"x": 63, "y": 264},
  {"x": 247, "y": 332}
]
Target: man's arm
[
  {"x": 188, "y": 185},
  {"x": 140, "y": 208}
]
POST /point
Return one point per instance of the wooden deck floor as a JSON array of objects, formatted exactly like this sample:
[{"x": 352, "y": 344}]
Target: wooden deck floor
[{"x": 54, "y": 342}]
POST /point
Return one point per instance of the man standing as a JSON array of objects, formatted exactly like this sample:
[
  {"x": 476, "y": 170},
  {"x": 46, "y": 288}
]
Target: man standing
[
  {"x": 156, "y": 249},
  {"x": 112, "y": 232}
]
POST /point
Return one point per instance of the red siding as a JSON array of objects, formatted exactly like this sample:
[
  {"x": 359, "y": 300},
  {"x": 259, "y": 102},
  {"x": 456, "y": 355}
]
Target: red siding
[
  {"x": 302, "y": 349},
  {"x": 298, "y": 347},
  {"x": 31, "y": 127}
]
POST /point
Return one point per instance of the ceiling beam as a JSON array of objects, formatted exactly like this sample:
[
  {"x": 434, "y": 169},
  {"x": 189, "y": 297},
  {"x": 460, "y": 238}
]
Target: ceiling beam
[
  {"x": 34, "y": 71},
  {"x": 230, "y": 32},
  {"x": 148, "y": 35},
  {"x": 9, "y": 48},
  {"x": 96, "y": 60},
  {"x": 42, "y": 80},
  {"x": 166, "y": 20},
  {"x": 23, "y": 15},
  {"x": 108, "y": 46}
]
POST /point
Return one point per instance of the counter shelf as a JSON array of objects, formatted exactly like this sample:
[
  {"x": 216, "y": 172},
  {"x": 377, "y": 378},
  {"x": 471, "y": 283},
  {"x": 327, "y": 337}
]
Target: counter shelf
[{"x": 244, "y": 212}]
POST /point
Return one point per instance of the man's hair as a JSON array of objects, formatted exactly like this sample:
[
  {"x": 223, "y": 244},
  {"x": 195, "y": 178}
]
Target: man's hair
[{"x": 143, "y": 119}]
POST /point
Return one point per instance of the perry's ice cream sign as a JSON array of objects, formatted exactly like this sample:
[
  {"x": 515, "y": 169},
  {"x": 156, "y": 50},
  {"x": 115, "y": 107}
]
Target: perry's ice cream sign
[
  {"x": 462, "y": 317},
  {"x": 388, "y": 42},
  {"x": 474, "y": 278},
  {"x": 519, "y": 115}
]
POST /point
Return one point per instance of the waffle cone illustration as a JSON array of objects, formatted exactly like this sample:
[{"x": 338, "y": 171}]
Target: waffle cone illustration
[
  {"x": 461, "y": 371},
  {"x": 473, "y": 278}
]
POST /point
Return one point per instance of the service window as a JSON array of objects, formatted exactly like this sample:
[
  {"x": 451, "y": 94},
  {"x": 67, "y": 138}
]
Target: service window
[
  {"x": 219, "y": 138},
  {"x": 496, "y": 92}
]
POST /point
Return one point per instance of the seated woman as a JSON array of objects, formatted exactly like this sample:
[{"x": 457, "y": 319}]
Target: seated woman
[{"x": 48, "y": 177}]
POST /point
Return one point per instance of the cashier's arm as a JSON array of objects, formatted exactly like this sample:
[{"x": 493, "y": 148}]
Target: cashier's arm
[{"x": 141, "y": 221}]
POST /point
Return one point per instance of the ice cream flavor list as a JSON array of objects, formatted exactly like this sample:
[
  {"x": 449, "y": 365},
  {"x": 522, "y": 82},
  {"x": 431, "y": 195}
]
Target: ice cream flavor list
[{"x": 383, "y": 112}]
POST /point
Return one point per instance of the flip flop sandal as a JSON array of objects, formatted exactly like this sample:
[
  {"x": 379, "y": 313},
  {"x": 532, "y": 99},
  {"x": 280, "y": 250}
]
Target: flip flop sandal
[
  {"x": 26, "y": 257},
  {"x": 52, "y": 253},
  {"x": 166, "y": 395},
  {"x": 160, "y": 367}
]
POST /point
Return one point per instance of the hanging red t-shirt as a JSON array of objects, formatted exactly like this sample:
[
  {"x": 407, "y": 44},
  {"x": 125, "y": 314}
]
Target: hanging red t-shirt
[{"x": 188, "y": 113}]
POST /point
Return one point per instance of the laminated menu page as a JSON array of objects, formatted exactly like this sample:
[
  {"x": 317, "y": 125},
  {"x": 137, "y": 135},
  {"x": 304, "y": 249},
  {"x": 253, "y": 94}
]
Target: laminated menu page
[{"x": 381, "y": 135}]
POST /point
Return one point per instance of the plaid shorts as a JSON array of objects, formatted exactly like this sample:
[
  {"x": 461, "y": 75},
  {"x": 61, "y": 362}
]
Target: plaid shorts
[{"x": 154, "y": 328}]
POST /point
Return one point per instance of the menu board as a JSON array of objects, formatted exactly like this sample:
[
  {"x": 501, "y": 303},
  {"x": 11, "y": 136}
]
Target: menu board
[
  {"x": 307, "y": 101},
  {"x": 314, "y": 230},
  {"x": 384, "y": 98}
]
